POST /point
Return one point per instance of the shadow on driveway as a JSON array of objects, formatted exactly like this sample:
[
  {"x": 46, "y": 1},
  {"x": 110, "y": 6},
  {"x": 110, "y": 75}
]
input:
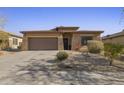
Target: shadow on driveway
[{"x": 76, "y": 70}]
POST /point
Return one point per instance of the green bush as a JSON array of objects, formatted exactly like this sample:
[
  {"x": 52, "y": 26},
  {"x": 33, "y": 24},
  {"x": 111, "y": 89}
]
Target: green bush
[
  {"x": 19, "y": 47},
  {"x": 95, "y": 46},
  {"x": 123, "y": 51},
  {"x": 95, "y": 51},
  {"x": 112, "y": 51},
  {"x": 62, "y": 55}
]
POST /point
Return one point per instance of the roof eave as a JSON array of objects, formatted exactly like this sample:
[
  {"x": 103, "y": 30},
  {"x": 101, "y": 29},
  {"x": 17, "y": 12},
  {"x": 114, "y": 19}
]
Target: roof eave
[{"x": 87, "y": 31}]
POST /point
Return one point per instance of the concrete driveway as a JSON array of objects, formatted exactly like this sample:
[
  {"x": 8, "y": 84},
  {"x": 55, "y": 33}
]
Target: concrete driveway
[
  {"x": 40, "y": 67},
  {"x": 9, "y": 62}
]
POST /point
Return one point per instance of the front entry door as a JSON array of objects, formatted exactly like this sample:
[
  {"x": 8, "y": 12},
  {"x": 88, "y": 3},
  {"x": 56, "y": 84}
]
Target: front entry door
[{"x": 65, "y": 40}]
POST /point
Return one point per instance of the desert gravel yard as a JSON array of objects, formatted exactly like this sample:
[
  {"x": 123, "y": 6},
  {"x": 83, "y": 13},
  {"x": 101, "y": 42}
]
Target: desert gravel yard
[{"x": 41, "y": 67}]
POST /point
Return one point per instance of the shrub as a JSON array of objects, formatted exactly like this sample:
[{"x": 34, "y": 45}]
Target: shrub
[
  {"x": 19, "y": 47},
  {"x": 112, "y": 51},
  {"x": 62, "y": 55},
  {"x": 95, "y": 46},
  {"x": 123, "y": 51},
  {"x": 83, "y": 49},
  {"x": 95, "y": 51}
]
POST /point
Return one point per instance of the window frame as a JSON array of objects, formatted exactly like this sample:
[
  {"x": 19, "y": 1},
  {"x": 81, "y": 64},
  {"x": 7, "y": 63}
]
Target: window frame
[
  {"x": 15, "y": 41},
  {"x": 84, "y": 39}
]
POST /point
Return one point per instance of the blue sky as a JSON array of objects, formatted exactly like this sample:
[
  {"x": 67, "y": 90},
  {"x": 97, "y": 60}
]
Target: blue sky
[{"x": 19, "y": 19}]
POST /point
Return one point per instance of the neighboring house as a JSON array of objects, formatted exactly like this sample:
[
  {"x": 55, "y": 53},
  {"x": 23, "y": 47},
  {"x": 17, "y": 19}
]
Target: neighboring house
[
  {"x": 8, "y": 40},
  {"x": 117, "y": 38},
  {"x": 15, "y": 41},
  {"x": 59, "y": 38}
]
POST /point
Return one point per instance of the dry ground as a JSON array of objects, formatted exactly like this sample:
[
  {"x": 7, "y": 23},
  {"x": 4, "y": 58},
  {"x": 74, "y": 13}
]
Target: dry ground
[{"x": 41, "y": 67}]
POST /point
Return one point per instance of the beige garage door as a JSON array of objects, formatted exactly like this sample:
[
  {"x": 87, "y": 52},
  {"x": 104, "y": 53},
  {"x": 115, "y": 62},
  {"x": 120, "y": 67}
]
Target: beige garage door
[{"x": 43, "y": 43}]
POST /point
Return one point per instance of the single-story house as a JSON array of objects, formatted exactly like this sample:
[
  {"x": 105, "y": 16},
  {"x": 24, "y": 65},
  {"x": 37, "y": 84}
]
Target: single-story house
[
  {"x": 116, "y": 38},
  {"x": 9, "y": 40},
  {"x": 59, "y": 38}
]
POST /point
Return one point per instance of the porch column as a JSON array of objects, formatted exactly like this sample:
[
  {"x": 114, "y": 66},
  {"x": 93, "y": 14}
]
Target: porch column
[
  {"x": 75, "y": 42},
  {"x": 60, "y": 42},
  {"x": 25, "y": 44}
]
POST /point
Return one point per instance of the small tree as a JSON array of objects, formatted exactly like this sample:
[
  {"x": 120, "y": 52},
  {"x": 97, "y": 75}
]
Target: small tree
[
  {"x": 4, "y": 40},
  {"x": 3, "y": 35},
  {"x": 112, "y": 51}
]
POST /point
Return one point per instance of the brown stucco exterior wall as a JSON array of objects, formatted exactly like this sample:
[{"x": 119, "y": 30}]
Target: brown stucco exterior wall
[{"x": 115, "y": 40}]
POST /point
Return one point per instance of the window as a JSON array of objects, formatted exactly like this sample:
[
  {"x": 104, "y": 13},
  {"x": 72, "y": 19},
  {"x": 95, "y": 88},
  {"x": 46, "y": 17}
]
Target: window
[
  {"x": 84, "y": 39},
  {"x": 15, "y": 41},
  {"x": 20, "y": 43}
]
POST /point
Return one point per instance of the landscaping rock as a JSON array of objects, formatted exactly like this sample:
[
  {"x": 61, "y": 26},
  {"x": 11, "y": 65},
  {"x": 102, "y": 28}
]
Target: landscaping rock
[
  {"x": 22, "y": 72},
  {"x": 62, "y": 73}
]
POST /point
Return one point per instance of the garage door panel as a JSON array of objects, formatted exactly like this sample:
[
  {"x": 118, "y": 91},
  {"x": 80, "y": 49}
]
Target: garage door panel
[{"x": 43, "y": 43}]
